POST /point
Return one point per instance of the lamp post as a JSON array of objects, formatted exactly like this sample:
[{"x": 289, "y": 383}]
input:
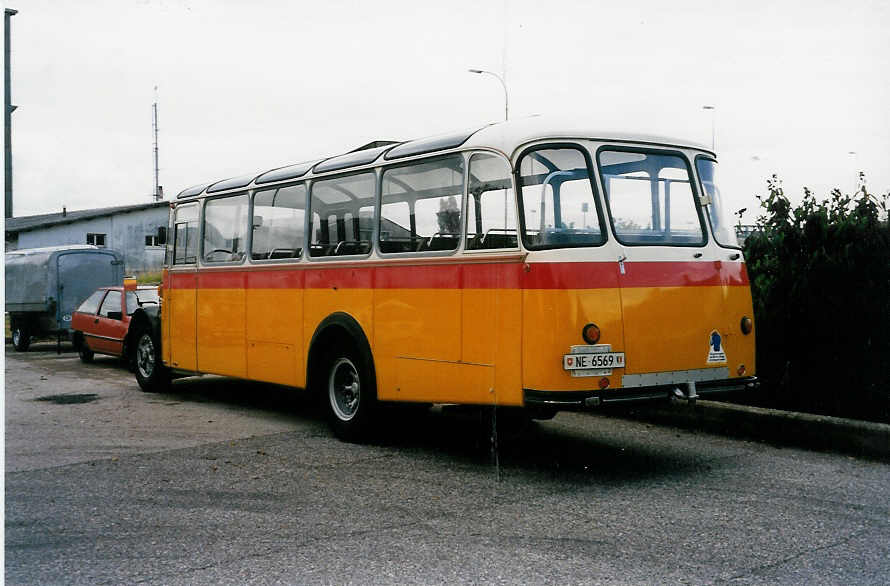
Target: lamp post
[
  {"x": 503, "y": 84},
  {"x": 713, "y": 110},
  {"x": 855, "y": 170}
]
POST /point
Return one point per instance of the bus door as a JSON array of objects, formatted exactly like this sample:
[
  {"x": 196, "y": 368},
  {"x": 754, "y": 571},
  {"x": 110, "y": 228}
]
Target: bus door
[
  {"x": 671, "y": 280},
  {"x": 180, "y": 292}
]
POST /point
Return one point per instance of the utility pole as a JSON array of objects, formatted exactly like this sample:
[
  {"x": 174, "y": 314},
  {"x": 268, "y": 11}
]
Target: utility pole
[
  {"x": 158, "y": 195},
  {"x": 8, "y": 108},
  {"x": 713, "y": 110}
]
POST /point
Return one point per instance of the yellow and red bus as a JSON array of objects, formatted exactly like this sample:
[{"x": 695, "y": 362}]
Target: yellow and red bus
[{"x": 522, "y": 264}]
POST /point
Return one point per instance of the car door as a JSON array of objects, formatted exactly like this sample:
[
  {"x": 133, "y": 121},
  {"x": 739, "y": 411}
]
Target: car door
[
  {"x": 86, "y": 317},
  {"x": 109, "y": 327}
]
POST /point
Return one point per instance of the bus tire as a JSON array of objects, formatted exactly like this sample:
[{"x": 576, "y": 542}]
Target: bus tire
[
  {"x": 21, "y": 337},
  {"x": 350, "y": 393},
  {"x": 151, "y": 374}
]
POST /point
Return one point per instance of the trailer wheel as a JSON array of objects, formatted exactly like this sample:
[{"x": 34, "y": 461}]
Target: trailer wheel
[
  {"x": 151, "y": 374},
  {"x": 21, "y": 337}
]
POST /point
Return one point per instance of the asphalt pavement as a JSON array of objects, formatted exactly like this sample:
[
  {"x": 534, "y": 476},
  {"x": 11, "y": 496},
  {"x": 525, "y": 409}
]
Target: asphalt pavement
[{"x": 227, "y": 482}]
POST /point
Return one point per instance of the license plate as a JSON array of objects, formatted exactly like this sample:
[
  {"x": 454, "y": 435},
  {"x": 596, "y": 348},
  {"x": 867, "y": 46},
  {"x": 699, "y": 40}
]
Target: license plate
[{"x": 592, "y": 361}]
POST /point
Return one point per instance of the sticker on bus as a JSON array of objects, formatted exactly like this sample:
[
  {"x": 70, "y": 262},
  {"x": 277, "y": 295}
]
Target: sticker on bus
[{"x": 716, "y": 353}]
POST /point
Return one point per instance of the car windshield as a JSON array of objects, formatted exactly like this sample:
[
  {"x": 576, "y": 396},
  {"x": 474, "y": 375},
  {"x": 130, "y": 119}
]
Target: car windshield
[{"x": 718, "y": 213}]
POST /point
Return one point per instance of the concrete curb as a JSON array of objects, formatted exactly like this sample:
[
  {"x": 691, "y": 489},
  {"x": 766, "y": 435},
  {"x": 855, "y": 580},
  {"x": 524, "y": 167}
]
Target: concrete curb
[{"x": 820, "y": 432}]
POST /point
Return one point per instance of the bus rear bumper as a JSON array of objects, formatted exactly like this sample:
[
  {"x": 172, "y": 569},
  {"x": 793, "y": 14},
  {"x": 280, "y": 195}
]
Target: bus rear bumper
[{"x": 570, "y": 400}]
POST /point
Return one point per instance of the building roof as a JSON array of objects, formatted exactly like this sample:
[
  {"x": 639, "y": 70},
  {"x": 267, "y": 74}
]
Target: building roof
[{"x": 25, "y": 223}]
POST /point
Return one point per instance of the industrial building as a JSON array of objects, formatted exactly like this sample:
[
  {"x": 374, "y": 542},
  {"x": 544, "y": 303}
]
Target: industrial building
[{"x": 137, "y": 231}]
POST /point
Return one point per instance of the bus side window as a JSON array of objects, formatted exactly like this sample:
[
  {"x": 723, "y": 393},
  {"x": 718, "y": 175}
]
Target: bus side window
[
  {"x": 185, "y": 234},
  {"x": 491, "y": 208},
  {"x": 431, "y": 192},
  {"x": 342, "y": 212},
  {"x": 278, "y": 223},
  {"x": 225, "y": 229}
]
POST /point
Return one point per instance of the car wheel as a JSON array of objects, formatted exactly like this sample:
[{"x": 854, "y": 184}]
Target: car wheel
[
  {"x": 86, "y": 355},
  {"x": 21, "y": 338},
  {"x": 151, "y": 374},
  {"x": 352, "y": 395}
]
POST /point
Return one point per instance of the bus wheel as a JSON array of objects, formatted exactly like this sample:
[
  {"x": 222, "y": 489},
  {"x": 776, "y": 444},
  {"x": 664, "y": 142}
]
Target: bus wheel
[
  {"x": 151, "y": 374},
  {"x": 351, "y": 396},
  {"x": 21, "y": 337}
]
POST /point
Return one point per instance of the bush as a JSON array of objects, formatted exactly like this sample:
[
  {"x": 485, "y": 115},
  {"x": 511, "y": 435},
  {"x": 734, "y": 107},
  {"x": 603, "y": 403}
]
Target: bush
[{"x": 820, "y": 280}]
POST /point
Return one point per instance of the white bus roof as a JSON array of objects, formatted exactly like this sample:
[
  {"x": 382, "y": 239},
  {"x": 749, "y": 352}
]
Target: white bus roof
[
  {"x": 510, "y": 135},
  {"x": 503, "y": 136}
]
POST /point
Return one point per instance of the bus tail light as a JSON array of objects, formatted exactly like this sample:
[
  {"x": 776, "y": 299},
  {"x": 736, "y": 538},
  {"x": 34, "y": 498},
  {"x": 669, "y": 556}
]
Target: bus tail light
[
  {"x": 747, "y": 325},
  {"x": 591, "y": 333},
  {"x": 604, "y": 382},
  {"x": 741, "y": 370}
]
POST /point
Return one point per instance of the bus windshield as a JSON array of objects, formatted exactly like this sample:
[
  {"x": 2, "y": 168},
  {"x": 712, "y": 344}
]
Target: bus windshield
[{"x": 717, "y": 210}]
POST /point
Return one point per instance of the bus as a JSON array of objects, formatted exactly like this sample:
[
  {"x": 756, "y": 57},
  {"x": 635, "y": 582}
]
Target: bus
[{"x": 525, "y": 264}]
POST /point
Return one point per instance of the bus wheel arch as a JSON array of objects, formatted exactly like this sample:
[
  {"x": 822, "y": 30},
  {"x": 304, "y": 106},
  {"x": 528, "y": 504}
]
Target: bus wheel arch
[
  {"x": 341, "y": 373},
  {"x": 142, "y": 346}
]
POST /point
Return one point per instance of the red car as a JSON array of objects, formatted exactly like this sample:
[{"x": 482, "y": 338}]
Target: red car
[{"x": 101, "y": 322}]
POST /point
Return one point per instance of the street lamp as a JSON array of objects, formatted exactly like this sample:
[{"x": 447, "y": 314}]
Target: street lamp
[
  {"x": 504, "y": 85},
  {"x": 856, "y": 170},
  {"x": 713, "y": 109}
]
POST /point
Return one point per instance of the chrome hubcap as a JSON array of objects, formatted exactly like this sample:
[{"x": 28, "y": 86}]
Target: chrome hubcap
[
  {"x": 344, "y": 389},
  {"x": 145, "y": 356}
]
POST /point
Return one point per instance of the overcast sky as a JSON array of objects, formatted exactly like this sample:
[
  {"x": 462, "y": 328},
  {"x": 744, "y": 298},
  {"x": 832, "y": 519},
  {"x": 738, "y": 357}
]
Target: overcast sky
[{"x": 246, "y": 86}]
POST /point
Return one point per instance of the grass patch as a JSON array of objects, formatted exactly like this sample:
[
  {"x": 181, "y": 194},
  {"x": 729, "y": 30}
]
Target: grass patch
[{"x": 149, "y": 278}]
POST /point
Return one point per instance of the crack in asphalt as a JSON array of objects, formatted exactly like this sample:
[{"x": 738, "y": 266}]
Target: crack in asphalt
[{"x": 785, "y": 560}]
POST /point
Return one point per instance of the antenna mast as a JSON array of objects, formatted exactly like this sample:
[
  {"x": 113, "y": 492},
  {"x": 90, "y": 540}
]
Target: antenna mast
[{"x": 158, "y": 194}]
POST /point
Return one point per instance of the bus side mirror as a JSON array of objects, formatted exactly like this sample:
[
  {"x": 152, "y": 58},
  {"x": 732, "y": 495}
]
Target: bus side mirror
[{"x": 162, "y": 235}]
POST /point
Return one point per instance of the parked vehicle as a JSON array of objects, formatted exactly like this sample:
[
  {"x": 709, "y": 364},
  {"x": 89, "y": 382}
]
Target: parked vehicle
[
  {"x": 45, "y": 285},
  {"x": 525, "y": 265},
  {"x": 101, "y": 323}
]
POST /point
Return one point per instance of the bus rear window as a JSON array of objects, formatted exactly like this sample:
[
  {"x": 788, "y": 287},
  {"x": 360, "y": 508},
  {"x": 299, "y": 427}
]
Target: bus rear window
[
  {"x": 557, "y": 200},
  {"x": 650, "y": 199}
]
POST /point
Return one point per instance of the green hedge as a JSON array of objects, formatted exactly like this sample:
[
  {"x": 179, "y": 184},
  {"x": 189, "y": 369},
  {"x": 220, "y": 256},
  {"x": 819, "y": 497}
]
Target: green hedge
[{"x": 820, "y": 279}]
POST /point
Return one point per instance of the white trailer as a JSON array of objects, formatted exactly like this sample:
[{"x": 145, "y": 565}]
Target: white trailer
[{"x": 45, "y": 285}]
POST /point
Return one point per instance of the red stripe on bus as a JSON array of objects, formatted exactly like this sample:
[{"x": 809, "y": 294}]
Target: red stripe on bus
[
  {"x": 571, "y": 275},
  {"x": 683, "y": 274},
  {"x": 567, "y": 275},
  {"x": 182, "y": 280}
]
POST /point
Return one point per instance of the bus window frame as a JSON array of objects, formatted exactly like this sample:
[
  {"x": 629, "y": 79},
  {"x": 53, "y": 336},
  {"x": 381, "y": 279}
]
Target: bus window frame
[
  {"x": 693, "y": 187},
  {"x": 703, "y": 191},
  {"x": 598, "y": 199},
  {"x": 276, "y": 187},
  {"x": 248, "y": 240},
  {"x": 469, "y": 158},
  {"x": 307, "y": 230},
  {"x": 420, "y": 160},
  {"x": 198, "y": 205}
]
